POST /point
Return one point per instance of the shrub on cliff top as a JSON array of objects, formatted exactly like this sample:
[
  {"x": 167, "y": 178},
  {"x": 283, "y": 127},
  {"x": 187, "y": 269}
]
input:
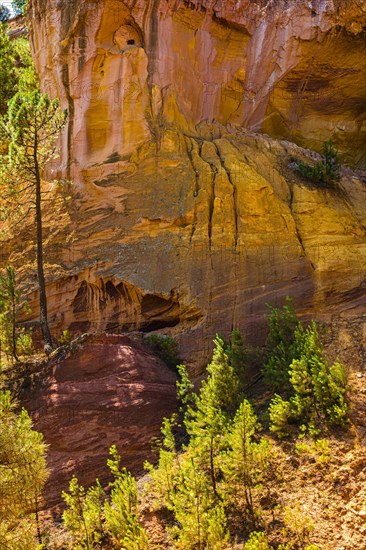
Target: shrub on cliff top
[{"x": 327, "y": 170}]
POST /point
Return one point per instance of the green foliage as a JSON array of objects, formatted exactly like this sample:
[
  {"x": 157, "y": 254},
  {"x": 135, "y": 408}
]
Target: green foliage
[
  {"x": 17, "y": 71},
  {"x": 19, "y": 6},
  {"x": 24, "y": 343},
  {"x": 23, "y": 474},
  {"x": 319, "y": 450},
  {"x": 221, "y": 389},
  {"x": 32, "y": 120},
  {"x": 298, "y": 526},
  {"x": 318, "y": 389},
  {"x": 31, "y": 129},
  {"x": 65, "y": 337},
  {"x": 327, "y": 170},
  {"x": 92, "y": 518},
  {"x": 281, "y": 345},
  {"x": 257, "y": 541},
  {"x": 14, "y": 341},
  {"x": 185, "y": 390},
  {"x": 194, "y": 510},
  {"x": 4, "y": 14},
  {"x": 8, "y": 71},
  {"x": 215, "y": 406},
  {"x": 222, "y": 463},
  {"x": 121, "y": 513},
  {"x": 279, "y": 415},
  {"x": 246, "y": 462},
  {"x": 237, "y": 354},
  {"x": 84, "y": 514},
  {"x": 165, "y": 476},
  {"x": 27, "y": 80},
  {"x": 164, "y": 347}
]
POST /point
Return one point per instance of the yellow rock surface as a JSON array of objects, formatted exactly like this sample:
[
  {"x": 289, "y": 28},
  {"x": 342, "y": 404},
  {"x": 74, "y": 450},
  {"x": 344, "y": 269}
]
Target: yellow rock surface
[{"x": 181, "y": 219}]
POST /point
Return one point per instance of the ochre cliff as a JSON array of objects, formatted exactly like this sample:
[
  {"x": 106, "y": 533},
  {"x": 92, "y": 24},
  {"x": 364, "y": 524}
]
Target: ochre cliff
[
  {"x": 296, "y": 70},
  {"x": 183, "y": 218},
  {"x": 199, "y": 237}
]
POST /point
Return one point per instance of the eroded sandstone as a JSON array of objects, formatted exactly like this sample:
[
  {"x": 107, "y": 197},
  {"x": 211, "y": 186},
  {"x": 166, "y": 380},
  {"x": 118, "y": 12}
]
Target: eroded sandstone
[
  {"x": 296, "y": 70},
  {"x": 181, "y": 219},
  {"x": 199, "y": 246}
]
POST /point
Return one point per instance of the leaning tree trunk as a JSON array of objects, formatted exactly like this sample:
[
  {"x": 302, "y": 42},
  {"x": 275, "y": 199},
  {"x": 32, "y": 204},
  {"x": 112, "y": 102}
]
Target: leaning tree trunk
[{"x": 41, "y": 279}]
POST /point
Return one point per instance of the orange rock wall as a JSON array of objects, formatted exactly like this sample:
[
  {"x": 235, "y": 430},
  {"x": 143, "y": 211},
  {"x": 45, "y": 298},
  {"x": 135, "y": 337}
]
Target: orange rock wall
[
  {"x": 182, "y": 219},
  {"x": 297, "y": 70}
]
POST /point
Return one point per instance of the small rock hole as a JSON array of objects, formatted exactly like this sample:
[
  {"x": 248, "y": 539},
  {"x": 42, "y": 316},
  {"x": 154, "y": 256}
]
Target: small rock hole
[{"x": 131, "y": 42}]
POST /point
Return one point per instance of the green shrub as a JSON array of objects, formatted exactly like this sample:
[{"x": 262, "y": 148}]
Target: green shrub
[
  {"x": 121, "y": 514},
  {"x": 327, "y": 170},
  {"x": 318, "y": 389},
  {"x": 237, "y": 354},
  {"x": 257, "y": 541},
  {"x": 281, "y": 345},
  {"x": 279, "y": 415},
  {"x": 246, "y": 462},
  {"x": 298, "y": 526},
  {"x": 166, "y": 348},
  {"x": 24, "y": 343},
  {"x": 65, "y": 337},
  {"x": 92, "y": 518},
  {"x": 83, "y": 515},
  {"x": 319, "y": 450}
]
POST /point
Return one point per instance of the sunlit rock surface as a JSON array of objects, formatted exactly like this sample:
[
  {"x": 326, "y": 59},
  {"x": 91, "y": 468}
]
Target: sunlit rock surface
[
  {"x": 182, "y": 218},
  {"x": 124, "y": 69}
]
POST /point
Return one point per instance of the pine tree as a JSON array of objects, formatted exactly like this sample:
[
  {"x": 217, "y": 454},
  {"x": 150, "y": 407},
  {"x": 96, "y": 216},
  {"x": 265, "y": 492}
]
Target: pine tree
[
  {"x": 246, "y": 462},
  {"x": 164, "y": 477},
  {"x": 121, "y": 514},
  {"x": 84, "y": 514},
  {"x": 215, "y": 406},
  {"x": 201, "y": 521},
  {"x": 8, "y": 71},
  {"x": 318, "y": 389},
  {"x": 281, "y": 345},
  {"x": 11, "y": 304},
  {"x": 237, "y": 354},
  {"x": 23, "y": 474},
  {"x": 31, "y": 129}
]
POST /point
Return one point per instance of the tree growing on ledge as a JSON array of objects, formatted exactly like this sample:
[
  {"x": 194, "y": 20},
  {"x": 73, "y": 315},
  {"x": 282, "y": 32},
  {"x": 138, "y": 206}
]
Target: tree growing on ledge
[
  {"x": 19, "y": 6},
  {"x": 30, "y": 130}
]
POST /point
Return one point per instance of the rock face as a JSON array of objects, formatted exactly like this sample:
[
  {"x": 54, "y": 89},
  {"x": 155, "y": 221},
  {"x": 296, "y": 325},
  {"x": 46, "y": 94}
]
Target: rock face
[
  {"x": 109, "y": 391},
  {"x": 296, "y": 70},
  {"x": 182, "y": 218}
]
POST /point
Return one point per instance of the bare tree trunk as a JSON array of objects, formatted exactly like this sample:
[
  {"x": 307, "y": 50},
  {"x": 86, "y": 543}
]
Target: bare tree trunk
[
  {"x": 39, "y": 535},
  {"x": 212, "y": 468},
  {"x": 13, "y": 328},
  {"x": 41, "y": 279}
]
